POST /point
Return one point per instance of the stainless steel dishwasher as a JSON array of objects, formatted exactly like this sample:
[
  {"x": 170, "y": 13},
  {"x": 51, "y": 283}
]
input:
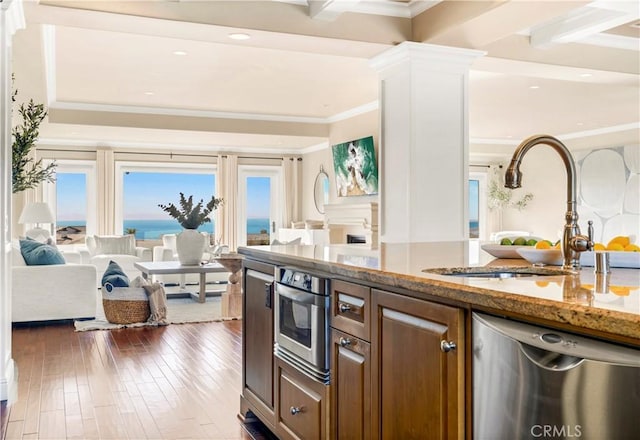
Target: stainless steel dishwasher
[{"x": 531, "y": 382}]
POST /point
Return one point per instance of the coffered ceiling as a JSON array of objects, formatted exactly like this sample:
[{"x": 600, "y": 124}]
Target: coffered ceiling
[{"x": 167, "y": 74}]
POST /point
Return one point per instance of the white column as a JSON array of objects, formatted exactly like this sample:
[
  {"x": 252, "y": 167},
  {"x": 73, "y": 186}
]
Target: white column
[
  {"x": 424, "y": 142},
  {"x": 11, "y": 19}
]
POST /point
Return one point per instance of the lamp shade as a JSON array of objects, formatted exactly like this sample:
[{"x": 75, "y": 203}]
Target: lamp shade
[{"x": 36, "y": 212}]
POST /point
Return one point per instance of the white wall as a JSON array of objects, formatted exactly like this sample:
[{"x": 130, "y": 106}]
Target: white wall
[
  {"x": 608, "y": 192},
  {"x": 354, "y": 128}
]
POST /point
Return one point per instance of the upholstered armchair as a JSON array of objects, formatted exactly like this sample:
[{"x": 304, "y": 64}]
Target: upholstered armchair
[{"x": 120, "y": 248}]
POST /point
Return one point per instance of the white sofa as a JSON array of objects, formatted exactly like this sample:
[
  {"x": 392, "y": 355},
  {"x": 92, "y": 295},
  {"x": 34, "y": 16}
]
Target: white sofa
[
  {"x": 120, "y": 248},
  {"x": 168, "y": 252},
  {"x": 60, "y": 291}
]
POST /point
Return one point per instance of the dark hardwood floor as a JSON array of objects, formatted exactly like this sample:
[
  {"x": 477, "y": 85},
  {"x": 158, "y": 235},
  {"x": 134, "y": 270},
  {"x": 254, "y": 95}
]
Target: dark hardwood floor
[{"x": 174, "y": 382}]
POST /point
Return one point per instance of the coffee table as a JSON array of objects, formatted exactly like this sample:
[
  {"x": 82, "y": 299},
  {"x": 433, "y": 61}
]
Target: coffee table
[{"x": 150, "y": 268}]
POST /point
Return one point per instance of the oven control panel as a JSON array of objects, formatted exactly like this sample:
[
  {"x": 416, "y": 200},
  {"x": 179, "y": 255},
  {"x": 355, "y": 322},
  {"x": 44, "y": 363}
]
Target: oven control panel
[{"x": 301, "y": 280}]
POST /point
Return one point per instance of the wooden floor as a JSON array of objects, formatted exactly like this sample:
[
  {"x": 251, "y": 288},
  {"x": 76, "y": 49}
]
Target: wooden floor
[{"x": 174, "y": 382}]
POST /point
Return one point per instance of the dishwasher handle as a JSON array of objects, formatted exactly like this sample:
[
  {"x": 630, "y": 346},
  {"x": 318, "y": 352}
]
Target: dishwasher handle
[
  {"x": 551, "y": 340},
  {"x": 549, "y": 360}
]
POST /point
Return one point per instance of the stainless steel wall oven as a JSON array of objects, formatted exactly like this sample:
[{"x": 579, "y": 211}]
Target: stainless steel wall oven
[{"x": 302, "y": 321}]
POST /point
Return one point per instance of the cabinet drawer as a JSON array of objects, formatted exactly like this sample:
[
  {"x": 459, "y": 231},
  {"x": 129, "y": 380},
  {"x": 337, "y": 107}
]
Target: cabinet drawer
[
  {"x": 350, "y": 309},
  {"x": 350, "y": 387},
  {"x": 302, "y": 411}
]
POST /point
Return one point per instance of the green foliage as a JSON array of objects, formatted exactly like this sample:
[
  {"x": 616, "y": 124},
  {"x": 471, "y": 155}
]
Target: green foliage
[
  {"x": 501, "y": 197},
  {"x": 27, "y": 173},
  {"x": 190, "y": 216}
]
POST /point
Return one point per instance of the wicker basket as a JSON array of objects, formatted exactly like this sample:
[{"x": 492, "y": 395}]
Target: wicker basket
[{"x": 125, "y": 305}]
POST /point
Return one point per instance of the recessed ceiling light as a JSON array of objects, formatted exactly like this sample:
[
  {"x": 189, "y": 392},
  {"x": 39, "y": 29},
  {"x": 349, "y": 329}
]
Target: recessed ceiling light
[
  {"x": 586, "y": 75},
  {"x": 149, "y": 93},
  {"x": 239, "y": 36},
  {"x": 534, "y": 87},
  {"x": 179, "y": 52}
]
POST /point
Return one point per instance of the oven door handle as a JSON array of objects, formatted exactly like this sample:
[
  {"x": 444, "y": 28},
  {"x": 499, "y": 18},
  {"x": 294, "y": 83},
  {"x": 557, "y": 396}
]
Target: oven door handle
[{"x": 299, "y": 296}]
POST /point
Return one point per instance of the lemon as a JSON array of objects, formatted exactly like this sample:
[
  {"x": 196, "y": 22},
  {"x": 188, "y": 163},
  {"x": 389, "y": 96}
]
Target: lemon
[
  {"x": 598, "y": 247},
  {"x": 632, "y": 248},
  {"x": 543, "y": 244},
  {"x": 615, "y": 247},
  {"x": 620, "y": 239}
]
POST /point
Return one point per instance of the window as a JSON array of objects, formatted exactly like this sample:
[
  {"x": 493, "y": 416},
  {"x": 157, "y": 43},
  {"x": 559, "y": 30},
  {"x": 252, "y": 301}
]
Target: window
[
  {"x": 259, "y": 190},
  {"x": 72, "y": 199},
  {"x": 477, "y": 205},
  {"x": 142, "y": 188}
]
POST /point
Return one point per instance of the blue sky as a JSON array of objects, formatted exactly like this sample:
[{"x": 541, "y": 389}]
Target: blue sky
[{"x": 144, "y": 191}]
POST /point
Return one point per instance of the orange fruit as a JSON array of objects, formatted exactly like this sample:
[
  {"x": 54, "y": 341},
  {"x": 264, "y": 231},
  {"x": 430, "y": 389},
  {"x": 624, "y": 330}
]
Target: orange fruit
[
  {"x": 598, "y": 247},
  {"x": 620, "y": 239},
  {"x": 620, "y": 290},
  {"x": 542, "y": 283},
  {"x": 556, "y": 246},
  {"x": 543, "y": 244},
  {"x": 632, "y": 248}
]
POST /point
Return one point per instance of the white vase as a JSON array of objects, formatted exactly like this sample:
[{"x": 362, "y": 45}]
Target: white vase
[{"x": 190, "y": 246}]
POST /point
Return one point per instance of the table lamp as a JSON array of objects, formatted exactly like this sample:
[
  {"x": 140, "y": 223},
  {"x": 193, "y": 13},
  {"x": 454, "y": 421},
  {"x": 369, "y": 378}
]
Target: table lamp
[{"x": 36, "y": 213}]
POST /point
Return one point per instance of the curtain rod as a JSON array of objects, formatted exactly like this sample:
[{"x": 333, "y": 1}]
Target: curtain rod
[
  {"x": 483, "y": 166},
  {"x": 171, "y": 154}
]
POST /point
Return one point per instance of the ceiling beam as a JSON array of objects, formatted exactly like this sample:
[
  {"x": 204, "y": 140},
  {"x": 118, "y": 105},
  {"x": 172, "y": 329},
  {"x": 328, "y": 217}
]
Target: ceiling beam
[
  {"x": 584, "y": 22},
  {"x": 329, "y": 10},
  {"x": 474, "y": 24}
]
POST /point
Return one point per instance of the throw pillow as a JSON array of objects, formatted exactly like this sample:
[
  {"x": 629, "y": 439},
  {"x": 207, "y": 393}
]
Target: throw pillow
[
  {"x": 115, "y": 276},
  {"x": 39, "y": 254},
  {"x": 115, "y": 245}
]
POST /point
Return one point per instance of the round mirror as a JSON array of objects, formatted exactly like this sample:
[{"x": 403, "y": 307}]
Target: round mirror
[{"x": 321, "y": 190}]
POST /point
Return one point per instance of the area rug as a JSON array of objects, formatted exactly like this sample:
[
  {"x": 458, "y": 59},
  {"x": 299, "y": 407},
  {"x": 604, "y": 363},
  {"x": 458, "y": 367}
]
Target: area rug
[{"x": 179, "y": 311}]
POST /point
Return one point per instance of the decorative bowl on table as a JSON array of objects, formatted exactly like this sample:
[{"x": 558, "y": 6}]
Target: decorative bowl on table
[
  {"x": 508, "y": 250},
  {"x": 553, "y": 257}
]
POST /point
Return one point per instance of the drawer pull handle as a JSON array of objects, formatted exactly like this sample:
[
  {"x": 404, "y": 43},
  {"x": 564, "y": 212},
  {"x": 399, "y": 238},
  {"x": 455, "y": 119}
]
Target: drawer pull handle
[
  {"x": 295, "y": 410},
  {"x": 345, "y": 342},
  {"x": 344, "y": 307},
  {"x": 447, "y": 346}
]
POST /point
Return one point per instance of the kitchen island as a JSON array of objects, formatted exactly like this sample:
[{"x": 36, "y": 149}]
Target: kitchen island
[
  {"x": 562, "y": 299},
  {"x": 392, "y": 320}
]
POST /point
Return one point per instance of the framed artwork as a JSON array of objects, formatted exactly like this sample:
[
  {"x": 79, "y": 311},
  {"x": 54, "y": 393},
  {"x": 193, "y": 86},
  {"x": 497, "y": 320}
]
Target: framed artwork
[{"x": 356, "y": 168}]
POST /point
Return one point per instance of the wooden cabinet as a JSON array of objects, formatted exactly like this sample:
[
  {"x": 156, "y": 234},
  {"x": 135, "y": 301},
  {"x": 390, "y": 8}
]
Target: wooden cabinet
[
  {"x": 350, "y": 361},
  {"x": 302, "y": 412},
  {"x": 418, "y": 386},
  {"x": 257, "y": 342},
  {"x": 350, "y": 387}
]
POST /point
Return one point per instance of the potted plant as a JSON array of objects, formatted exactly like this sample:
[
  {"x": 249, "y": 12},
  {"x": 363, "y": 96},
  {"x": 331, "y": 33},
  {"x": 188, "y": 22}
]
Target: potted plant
[
  {"x": 190, "y": 244},
  {"x": 26, "y": 172}
]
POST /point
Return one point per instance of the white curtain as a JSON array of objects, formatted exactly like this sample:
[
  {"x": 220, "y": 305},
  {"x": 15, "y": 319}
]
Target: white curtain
[
  {"x": 106, "y": 195},
  {"x": 291, "y": 196},
  {"x": 227, "y": 215}
]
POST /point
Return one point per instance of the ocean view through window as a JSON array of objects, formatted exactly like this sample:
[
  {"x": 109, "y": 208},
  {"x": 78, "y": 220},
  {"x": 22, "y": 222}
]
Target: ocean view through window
[
  {"x": 474, "y": 208},
  {"x": 143, "y": 191}
]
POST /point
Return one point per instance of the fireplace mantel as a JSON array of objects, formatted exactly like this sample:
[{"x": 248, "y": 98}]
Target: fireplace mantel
[{"x": 354, "y": 219}]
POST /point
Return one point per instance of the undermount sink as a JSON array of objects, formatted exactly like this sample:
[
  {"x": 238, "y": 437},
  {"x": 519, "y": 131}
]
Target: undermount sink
[{"x": 498, "y": 272}]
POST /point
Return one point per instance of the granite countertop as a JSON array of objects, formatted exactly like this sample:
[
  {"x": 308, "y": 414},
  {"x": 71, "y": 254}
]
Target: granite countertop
[{"x": 608, "y": 305}]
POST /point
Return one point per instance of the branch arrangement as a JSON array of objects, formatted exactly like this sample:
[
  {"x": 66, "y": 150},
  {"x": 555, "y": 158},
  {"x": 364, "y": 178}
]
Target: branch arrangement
[
  {"x": 25, "y": 172},
  {"x": 192, "y": 216}
]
